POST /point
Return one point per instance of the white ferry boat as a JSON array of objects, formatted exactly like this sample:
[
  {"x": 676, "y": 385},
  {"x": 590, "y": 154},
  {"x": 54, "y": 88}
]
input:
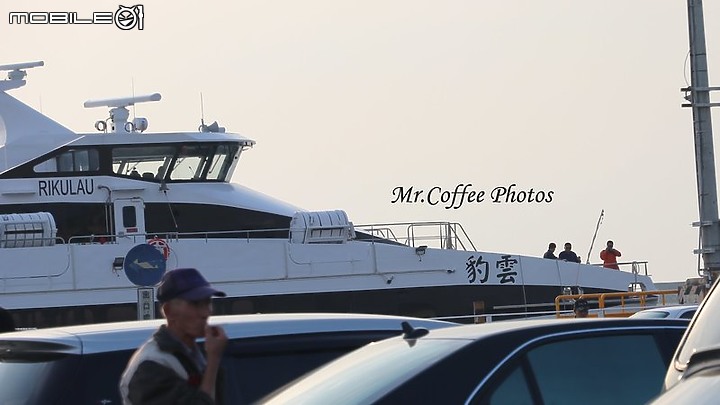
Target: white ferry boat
[{"x": 85, "y": 219}]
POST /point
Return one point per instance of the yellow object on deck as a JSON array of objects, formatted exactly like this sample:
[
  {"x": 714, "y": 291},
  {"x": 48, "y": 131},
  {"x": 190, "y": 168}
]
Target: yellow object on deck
[{"x": 623, "y": 304}]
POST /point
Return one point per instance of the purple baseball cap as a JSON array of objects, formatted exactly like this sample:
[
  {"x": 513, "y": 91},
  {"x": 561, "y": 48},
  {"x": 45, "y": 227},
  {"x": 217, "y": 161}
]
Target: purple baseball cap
[{"x": 187, "y": 284}]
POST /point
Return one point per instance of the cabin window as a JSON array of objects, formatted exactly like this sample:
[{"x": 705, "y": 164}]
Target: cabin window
[
  {"x": 73, "y": 160},
  {"x": 220, "y": 162},
  {"x": 200, "y": 162},
  {"x": 129, "y": 217},
  {"x": 147, "y": 162},
  {"x": 191, "y": 162}
]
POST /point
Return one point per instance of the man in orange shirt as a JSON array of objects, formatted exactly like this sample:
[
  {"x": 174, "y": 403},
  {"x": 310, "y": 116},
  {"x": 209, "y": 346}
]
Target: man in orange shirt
[{"x": 609, "y": 256}]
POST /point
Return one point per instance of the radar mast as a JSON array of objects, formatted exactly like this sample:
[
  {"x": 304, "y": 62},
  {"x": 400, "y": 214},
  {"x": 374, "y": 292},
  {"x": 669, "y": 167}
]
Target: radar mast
[
  {"x": 119, "y": 113},
  {"x": 16, "y": 74}
]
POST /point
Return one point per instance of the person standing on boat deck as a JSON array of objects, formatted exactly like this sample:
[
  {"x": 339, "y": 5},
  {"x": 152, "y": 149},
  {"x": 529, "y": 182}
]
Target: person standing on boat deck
[
  {"x": 170, "y": 368},
  {"x": 550, "y": 254},
  {"x": 581, "y": 308},
  {"x": 609, "y": 256},
  {"x": 568, "y": 255}
]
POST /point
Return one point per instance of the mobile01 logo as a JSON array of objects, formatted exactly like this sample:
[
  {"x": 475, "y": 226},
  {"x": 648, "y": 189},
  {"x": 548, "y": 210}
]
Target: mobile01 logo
[{"x": 125, "y": 18}]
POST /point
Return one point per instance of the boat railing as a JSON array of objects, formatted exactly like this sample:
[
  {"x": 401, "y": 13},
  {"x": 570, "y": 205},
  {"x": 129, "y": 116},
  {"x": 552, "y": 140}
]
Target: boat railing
[
  {"x": 613, "y": 304},
  {"x": 174, "y": 236},
  {"x": 635, "y": 267},
  {"x": 443, "y": 235},
  {"x": 9, "y": 242},
  {"x": 497, "y": 317}
]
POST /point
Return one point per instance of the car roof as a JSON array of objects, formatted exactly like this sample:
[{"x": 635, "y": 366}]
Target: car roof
[
  {"x": 114, "y": 336},
  {"x": 670, "y": 309},
  {"x": 557, "y": 325}
]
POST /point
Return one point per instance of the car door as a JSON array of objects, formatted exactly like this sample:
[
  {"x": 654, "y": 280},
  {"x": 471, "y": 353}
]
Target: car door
[{"x": 589, "y": 367}]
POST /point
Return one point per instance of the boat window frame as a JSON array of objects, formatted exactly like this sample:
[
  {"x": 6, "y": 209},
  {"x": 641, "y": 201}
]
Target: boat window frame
[
  {"x": 83, "y": 160},
  {"x": 204, "y": 162}
]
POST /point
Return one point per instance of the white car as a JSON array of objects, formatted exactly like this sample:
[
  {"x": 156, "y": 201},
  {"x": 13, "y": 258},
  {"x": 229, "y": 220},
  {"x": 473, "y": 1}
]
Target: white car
[
  {"x": 83, "y": 364},
  {"x": 674, "y": 312}
]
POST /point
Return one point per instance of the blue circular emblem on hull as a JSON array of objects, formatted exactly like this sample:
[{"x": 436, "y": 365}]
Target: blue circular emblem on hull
[{"x": 144, "y": 265}]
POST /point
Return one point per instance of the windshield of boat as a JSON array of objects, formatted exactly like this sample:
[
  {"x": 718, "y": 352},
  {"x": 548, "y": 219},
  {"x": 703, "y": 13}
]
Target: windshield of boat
[{"x": 197, "y": 162}]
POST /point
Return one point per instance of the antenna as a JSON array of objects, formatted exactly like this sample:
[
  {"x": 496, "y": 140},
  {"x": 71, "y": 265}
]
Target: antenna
[
  {"x": 132, "y": 89},
  {"x": 214, "y": 127},
  {"x": 16, "y": 74},
  {"x": 602, "y": 212},
  {"x": 202, "y": 112}
]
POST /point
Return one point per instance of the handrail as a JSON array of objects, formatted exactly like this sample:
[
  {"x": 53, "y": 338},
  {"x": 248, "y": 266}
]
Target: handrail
[
  {"x": 449, "y": 235},
  {"x": 635, "y": 266},
  {"x": 602, "y": 297}
]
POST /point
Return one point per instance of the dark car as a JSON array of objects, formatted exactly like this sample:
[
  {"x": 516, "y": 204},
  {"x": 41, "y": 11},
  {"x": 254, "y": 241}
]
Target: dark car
[
  {"x": 83, "y": 364},
  {"x": 694, "y": 373},
  {"x": 589, "y": 361}
]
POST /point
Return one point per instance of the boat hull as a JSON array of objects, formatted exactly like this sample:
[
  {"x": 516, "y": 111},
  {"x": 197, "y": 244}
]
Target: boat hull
[
  {"x": 465, "y": 304},
  {"x": 81, "y": 283}
]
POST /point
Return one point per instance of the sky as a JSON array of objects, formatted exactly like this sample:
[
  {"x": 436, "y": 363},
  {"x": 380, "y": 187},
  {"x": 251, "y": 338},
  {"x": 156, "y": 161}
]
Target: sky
[{"x": 349, "y": 100}]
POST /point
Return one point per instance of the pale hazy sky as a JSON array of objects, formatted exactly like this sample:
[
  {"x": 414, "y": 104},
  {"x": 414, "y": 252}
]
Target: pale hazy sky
[{"x": 349, "y": 99}]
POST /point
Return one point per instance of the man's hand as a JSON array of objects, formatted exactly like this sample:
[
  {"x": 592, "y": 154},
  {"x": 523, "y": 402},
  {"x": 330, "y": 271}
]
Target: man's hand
[{"x": 215, "y": 340}]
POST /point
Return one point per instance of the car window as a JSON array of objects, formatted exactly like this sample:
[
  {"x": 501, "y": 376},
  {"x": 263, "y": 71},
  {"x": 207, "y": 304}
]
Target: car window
[
  {"x": 345, "y": 381},
  {"x": 93, "y": 386},
  {"x": 651, "y": 314},
  {"x": 23, "y": 378},
  {"x": 688, "y": 315},
  {"x": 600, "y": 370},
  {"x": 514, "y": 389},
  {"x": 253, "y": 376},
  {"x": 257, "y": 366},
  {"x": 63, "y": 379},
  {"x": 17, "y": 378}
]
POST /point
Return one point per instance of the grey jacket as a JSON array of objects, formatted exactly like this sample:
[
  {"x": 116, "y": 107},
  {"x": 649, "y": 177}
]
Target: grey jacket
[{"x": 160, "y": 372}]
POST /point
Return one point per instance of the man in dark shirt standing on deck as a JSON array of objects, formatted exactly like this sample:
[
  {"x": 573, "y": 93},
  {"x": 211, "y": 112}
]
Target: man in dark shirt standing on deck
[
  {"x": 568, "y": 255},
  {"x": 550, "y": 254}
]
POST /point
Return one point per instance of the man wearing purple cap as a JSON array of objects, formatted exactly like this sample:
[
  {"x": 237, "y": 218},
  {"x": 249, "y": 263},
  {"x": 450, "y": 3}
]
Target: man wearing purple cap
[{"x": 170, "y": 368}]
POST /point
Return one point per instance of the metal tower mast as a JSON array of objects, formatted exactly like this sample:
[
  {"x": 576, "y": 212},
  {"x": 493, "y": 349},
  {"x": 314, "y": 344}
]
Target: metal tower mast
[{"x": 698, "y": 95}]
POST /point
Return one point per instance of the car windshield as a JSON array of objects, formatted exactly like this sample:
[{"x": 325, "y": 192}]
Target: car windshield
[
  {"x": 651, "y": 314},
  {"x": 345, "y": 381},
  {"x": 704, "y": 332}
]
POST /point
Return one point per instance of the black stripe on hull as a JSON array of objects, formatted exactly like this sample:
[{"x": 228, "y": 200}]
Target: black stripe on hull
[{"x": 438, "y": 301}]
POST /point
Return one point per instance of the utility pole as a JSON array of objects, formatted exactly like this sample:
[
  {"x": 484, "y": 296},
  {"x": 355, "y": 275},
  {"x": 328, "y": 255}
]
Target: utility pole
[{"x": 698, "y": 96}]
